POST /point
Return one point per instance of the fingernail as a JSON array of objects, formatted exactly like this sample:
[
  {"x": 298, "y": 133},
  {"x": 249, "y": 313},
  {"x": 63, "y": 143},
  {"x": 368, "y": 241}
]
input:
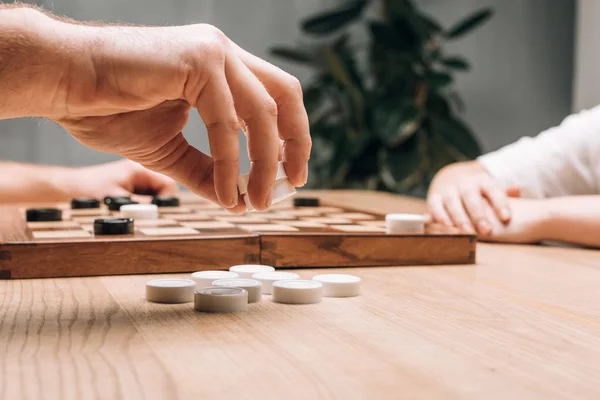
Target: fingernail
[
  {"x": 232, "y": 204},
  {"x": 505, "y": 213}
]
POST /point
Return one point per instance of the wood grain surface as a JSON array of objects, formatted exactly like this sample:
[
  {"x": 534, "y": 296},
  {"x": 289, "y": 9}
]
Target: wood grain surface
[{"x": 523, "y": 323}]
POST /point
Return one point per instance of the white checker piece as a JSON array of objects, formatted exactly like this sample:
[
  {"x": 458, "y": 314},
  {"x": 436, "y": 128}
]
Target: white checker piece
[
  {"x": 339, "y": 285},
  {"x": 171, "y": 291},
  {"x": 297, "y": 292}
]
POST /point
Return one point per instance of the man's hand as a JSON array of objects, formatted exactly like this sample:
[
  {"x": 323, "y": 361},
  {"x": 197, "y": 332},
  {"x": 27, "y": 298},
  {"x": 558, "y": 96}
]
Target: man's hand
[
  {"x": 129, "y": 90},
  {"x": 460, "y": 195}
]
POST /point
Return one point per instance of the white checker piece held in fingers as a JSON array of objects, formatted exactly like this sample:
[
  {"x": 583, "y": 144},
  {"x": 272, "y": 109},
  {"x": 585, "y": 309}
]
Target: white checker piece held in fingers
[
  {"x": 297, "y": 292},
  {"x": 339, "y": 285}
]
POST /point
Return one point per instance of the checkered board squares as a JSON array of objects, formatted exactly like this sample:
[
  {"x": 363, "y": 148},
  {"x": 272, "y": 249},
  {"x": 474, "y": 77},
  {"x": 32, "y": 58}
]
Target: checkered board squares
[
  {"x": 242, "y": 219},
  {"x": 357, "y": 228},
  {"x": 175, "y": 210},
  {"x": 191, "y": 217},
  {"x": 352, "y": 216},
  {"x": 268, "y": 228},
  {"x": 62, "y": 234},
  {"x": 208, "y": 225},
  {"x": 327, "y": 220},
  {"x": 301, "y": 224},
  {"x": 149, "y": 223},
  {"x": 88, "y": 211},
  {"x": 168, "y": 231},
  {"x": 380, "y": 224},
  {"x": 208, "y": 220},
  {"x": 53, "y": 225}
]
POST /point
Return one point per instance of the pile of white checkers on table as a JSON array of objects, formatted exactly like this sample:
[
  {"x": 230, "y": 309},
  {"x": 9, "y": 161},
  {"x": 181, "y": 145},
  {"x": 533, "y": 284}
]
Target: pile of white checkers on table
[{"x": 234, "y": 290}]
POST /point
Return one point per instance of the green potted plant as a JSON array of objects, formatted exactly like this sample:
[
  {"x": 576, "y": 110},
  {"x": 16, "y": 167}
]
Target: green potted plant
[{"x": 384, "y": 115}]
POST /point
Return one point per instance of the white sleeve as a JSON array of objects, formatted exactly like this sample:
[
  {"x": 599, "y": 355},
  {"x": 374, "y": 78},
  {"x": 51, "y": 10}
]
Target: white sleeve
[{"x": 561, "y": 161}]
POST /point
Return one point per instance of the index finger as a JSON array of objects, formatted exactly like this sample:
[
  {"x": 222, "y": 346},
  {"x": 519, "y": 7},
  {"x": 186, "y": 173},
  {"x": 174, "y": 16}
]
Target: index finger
[{"x": 292, "y": 121}]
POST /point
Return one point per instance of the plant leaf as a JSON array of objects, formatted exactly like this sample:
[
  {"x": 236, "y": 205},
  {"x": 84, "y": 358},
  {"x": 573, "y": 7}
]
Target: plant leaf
[
  {"x": 400, "y": 164},
  {"x": 469, "y": 23},
  {"x": 313, "y": 98},
  {"x": 331, "y": 21},
  {"x": 456, "y": 63},
  {"x": 398, "y": 38},
  {"x": 296, "y": 55},
  {"x": 456, "y": 134},
  {"x": 433, "y": 26},
  {"x": 438, "y": 81},
  {"x": 395, "y": 122}
]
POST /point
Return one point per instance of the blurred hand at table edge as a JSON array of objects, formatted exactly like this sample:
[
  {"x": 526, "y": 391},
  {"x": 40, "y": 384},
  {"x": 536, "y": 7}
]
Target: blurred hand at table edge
[
  {"x": 43, "y": 183},
  {"x": 465, "y": 196}
]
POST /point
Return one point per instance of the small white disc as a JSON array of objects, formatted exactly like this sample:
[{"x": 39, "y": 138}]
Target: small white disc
[
  {"x": 247, "y": 270},
  {"x": 206, "y": 278},
  {"x": 139, "y": 211},
  {"x": 282, "y": 189},
  {"x": 267, "y": 279},
  {"x": 297, "y": 292},
  {"x": 339, "y": 285},
  {"x": 405, "y": 223},
  {"x": 218, "y": 299},
  {"x": 253, "y": 287},
  {"x": 170, "y": 290}
]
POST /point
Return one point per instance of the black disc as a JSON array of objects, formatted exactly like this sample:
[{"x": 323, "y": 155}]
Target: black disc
[
  {"x": 306, "y": 202},
  {"x": 115, "y": 204},
  {"x": 165, "y": 201},
  {"x": 113, "y": 226},
  {"x": 84, "y": 202},
  {"x": 44, "y": 214},
  {"x": 110, "y": 199}
]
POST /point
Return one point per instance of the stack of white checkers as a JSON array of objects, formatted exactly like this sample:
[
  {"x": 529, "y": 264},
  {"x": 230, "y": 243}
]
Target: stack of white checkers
[
  {"x": 233, "y": 290},
  {"x": 281, "y": 190}
]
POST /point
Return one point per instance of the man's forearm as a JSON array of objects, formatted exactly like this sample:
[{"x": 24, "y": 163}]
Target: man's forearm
[
  {"x": 574, "y": 219},
  {"x": 31, "y": 183},
  {"x": 36, "y": 57}
]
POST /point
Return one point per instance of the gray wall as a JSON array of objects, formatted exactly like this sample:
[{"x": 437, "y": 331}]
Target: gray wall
[
  {"x": 520, "y": 85},
  {"x": 522, "y": 65}
]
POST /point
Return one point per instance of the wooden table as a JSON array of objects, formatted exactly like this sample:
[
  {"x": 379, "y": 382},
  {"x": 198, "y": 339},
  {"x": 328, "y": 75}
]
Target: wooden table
[{"x": 524, "y": 323}]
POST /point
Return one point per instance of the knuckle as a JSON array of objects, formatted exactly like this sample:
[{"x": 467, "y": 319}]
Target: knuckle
[
  {"x": 226, "y": 125},
  {"x": 269, "y": 106},
  {"x": 214, "y": 46},
  {"x": 293, "y": 87}
]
